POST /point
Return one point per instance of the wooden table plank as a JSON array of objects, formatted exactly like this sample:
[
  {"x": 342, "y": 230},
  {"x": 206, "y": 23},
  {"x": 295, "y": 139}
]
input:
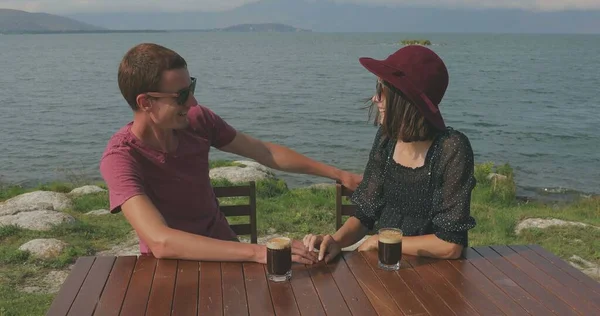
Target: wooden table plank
[
  {"x": 576, "y": 303},
  {"x": 457, "y": 303},
  {"x": 235, "y": 302},
  {"x": 92, "y": 287},
  {"x": 68, "y": 291},
  {"x": 563, "y": 277},
  {"x": 475, "y": 277},
  {"x": 483, "y": 304},
  {"x": 381, "y": 300},
  {"x": 355, "y": 298},
  {"x": 283, "y": 298},
  {"x": 163, "y": 287},
  {"x": 115, "y": 289},
  {"x": 185, "y": 298},
  {"x": 551, "y": 301},
  {"x": 560, "y": 263},
  {"x": 406, "y": 300},
  {"x": 531, "y": 305},
  {"x": 304, "y": 291},
  {"x": 211, "y": 291},
  {"x": 259, "y": 297},
  {"x": 329, "y": 293},
  {"x": 136, "y": 298}
]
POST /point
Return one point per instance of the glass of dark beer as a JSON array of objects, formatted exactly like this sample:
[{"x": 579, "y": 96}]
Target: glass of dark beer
[
  {"x": 279, "y": 259},
  {"x": 390, "y": 248}
]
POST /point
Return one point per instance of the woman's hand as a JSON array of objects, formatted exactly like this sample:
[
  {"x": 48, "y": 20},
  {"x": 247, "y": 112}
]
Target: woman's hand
[
  {"x": 301, "y": 254},
  {"x": 328, "y": 247},
  {"x": 370, "y": 244}
]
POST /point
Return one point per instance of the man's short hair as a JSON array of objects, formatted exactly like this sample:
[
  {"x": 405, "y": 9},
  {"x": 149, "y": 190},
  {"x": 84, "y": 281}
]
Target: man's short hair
[{"x": 142, "y": 67}]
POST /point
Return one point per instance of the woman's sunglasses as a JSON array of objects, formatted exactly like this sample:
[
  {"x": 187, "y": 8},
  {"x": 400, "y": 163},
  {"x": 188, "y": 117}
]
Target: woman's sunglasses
[{"x": 181, "y": 96}]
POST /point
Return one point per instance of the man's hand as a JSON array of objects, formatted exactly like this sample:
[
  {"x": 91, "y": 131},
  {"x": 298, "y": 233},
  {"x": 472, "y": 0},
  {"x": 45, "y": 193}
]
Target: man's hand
[
  {"x": 300, "y": 254},
  {"x": 350, "y": 180},
  {"x": 372, "y": 243},
  {"x": 328, "y": 247}
]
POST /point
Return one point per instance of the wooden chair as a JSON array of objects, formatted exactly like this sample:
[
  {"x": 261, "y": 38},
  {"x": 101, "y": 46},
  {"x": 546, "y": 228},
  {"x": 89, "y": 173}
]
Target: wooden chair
[
  {"x": 342, "y": 209},
  {"x": 241, "y": 210}
]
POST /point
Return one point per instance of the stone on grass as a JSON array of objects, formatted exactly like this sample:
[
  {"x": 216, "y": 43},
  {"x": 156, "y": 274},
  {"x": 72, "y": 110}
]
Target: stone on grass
[
  {"x": 36, "y": 220},
  {"x": 35, "y": 201},
  {"x": 87, "y": 189},
  {"x": 44, "y": 248}
]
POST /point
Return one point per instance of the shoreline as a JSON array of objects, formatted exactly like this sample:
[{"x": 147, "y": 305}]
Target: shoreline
[{"x": 547, "y": 196}]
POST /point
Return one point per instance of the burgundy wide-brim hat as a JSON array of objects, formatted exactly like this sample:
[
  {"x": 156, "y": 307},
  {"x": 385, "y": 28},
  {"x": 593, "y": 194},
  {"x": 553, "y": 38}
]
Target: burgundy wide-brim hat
[{"x": 417, "y": 72}]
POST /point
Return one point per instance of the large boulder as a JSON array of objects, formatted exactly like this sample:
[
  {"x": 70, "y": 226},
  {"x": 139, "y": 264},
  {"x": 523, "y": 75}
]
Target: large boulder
[
  {"x": 36, "y": 220},
  {"x": 44, "y": 248},
  {"x": 251, "y": 171},
  {"x": 35, "y": 201},
  {"x": 86, "y": 189},
  {"x": 545, "y": 223}
]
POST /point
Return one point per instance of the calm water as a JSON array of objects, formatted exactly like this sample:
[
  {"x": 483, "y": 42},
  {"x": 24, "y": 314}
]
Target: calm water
[{"x": 529, "y": 100}]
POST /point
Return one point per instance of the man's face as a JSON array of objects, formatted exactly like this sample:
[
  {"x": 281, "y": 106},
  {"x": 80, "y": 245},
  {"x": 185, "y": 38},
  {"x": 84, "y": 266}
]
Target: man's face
[{"x": 168, "y": 109}]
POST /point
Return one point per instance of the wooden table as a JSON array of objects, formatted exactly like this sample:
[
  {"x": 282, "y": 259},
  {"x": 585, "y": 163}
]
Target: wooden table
[{"x": 503, "y": 280}]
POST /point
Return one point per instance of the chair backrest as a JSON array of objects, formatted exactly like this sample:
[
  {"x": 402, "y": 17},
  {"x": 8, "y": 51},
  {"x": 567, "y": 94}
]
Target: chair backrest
[
  {"x": 241, "y": 210},
  {"x": 340, "y": 208}
]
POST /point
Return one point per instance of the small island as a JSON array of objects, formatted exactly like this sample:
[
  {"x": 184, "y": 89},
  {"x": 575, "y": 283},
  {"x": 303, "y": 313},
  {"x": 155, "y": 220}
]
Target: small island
[{"x": 416, "y": 42}]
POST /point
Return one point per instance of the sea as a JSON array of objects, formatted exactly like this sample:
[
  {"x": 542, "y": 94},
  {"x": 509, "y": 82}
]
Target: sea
[{"x": 532, "y": 101}]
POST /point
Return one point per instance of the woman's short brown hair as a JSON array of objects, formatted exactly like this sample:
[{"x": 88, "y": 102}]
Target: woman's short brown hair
[
  {"x": 402, "y": 120},
  {"x": 142, "y": 67}
]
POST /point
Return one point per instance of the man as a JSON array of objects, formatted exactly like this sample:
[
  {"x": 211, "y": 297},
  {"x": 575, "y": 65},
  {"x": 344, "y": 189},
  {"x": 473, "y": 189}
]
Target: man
[{"x": 156, "y": 167}]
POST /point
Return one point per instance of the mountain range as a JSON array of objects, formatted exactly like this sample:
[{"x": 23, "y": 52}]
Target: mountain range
[
  {"x": 315, "y": 15},
  {"x": 330, "y": 16},
  {"x": 16, "y": 21}
]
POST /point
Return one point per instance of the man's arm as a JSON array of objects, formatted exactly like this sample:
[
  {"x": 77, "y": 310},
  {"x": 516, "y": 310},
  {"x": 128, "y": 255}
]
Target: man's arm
[
  {"x": 165, "y": 242},
  {"x": 284, "y": 159}
]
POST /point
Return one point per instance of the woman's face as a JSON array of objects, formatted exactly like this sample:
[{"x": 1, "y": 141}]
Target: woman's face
[{"x": 379, "y": 100}]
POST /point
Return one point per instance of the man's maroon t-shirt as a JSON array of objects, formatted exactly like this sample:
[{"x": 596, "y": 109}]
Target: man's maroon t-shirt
[{"x": 177, "y": 183}]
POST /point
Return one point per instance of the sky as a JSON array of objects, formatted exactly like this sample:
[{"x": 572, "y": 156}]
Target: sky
[{"x": 71, "y": 6}]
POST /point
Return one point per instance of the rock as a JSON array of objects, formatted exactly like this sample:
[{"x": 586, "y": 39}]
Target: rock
[
  {"x": 87, "y": 189},
  {"x": 254, "y": 165},
  {"x": 496, "y": 177},
  {"x": 271, "y": 231},
  {"x": 50, "y": 284},
  {"x": 44, "y": 248},
  {"x": 545, "y": 223},
  {"x": 36, "y": 220},
  {"x": 35, "y": 201},
  {"x": 239, "y": 174},
  {"x": 130, "y": 247},
  {"x": 589, "y": 268},
  {"x": 98, "y": 212}
]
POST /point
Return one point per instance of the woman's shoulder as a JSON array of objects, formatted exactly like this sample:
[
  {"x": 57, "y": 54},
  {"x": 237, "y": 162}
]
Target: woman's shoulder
[{"x": 454, "y": 138}]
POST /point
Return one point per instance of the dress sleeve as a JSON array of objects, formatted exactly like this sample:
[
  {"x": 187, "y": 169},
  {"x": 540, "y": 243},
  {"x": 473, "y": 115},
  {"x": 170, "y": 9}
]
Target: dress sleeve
[
  {"x": 368, "y": 197},
  {"x": 453, "y": 217}
]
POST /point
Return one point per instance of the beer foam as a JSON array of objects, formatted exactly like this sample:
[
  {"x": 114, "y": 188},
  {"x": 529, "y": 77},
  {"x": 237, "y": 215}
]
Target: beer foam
[
  {"x": 279, "y": 243},
  {"x": 390, "y": 237}
]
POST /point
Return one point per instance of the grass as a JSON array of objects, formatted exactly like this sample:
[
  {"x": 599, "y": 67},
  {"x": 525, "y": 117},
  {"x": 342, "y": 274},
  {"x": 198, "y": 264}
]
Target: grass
[{"x": 289, "y": 211}]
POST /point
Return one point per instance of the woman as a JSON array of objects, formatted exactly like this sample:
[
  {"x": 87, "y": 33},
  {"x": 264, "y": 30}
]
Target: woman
[{"x": 419, "y": 176}]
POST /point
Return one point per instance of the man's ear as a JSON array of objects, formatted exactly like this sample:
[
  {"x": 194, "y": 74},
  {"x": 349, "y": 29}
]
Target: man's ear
[{"x": 143, "y": 102}]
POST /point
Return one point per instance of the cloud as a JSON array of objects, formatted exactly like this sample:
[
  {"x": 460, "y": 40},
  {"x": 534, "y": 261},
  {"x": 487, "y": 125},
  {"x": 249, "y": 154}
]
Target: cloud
[{"x": 70, "y": 6}]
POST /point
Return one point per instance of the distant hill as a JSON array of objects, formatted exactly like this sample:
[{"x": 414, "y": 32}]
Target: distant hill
[
  {"x": 331, "y": 16},
  {"x": 15, "y": 21},
  {"x": 258, "y": 27}
]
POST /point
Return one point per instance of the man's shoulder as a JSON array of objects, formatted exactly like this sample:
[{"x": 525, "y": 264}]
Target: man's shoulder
[{"x": 120, "y": 142}]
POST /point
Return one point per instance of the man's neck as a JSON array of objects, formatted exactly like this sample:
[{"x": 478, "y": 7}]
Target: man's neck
[{"x": 153, "y": 136}]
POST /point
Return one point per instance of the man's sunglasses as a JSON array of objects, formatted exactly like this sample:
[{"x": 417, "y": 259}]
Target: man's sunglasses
[{"x": 181, "y": 96}]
